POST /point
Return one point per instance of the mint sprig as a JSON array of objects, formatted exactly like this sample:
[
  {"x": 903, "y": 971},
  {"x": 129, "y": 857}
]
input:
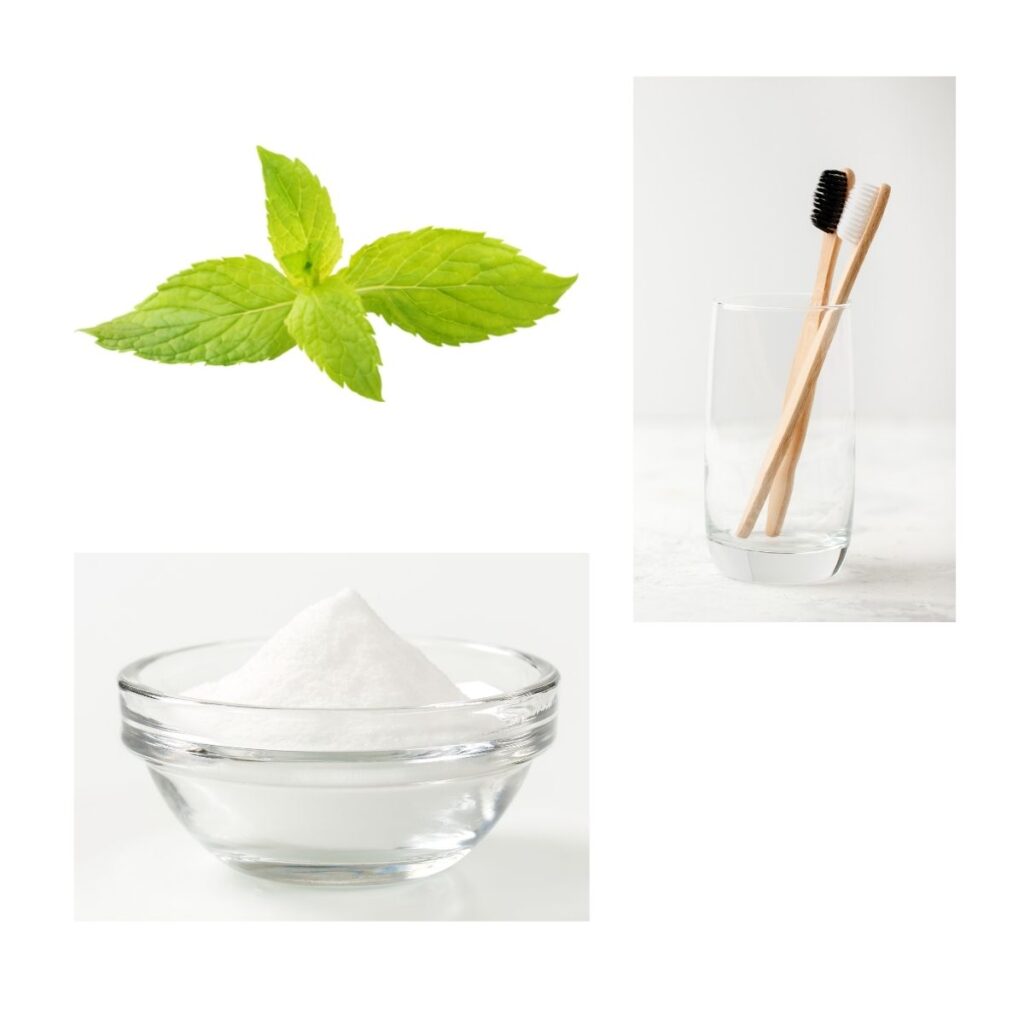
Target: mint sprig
[{"x": 448, "y": 286}]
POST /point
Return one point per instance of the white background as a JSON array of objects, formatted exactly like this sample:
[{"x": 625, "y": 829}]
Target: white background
[
  {"x": 797, "y": 822},
  {"x": 135, "y": 862},
  {"x": 726, "y": 171}
]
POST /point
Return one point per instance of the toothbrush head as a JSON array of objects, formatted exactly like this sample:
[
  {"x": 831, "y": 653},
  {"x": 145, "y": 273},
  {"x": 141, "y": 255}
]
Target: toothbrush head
[
  {"x": 829, "y": 200},
  {"x": 856, "y": 212}
]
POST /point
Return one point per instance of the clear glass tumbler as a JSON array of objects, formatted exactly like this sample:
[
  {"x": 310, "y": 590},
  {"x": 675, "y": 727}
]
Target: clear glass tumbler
[{"x": 754, "y": 340}]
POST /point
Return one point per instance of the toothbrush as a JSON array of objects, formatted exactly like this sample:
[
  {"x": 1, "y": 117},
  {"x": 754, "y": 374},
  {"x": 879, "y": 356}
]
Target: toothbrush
[
  {"x": 829, "y": 200},
  {"x": 858, "y": 224}
]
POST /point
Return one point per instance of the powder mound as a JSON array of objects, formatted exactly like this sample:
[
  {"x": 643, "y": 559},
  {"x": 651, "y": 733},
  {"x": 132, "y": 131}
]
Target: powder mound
[{"x": 337, "y": 653}]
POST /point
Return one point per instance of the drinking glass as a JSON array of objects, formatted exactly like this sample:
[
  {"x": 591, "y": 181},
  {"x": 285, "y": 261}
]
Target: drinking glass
[{"x": 754, "y": 340}]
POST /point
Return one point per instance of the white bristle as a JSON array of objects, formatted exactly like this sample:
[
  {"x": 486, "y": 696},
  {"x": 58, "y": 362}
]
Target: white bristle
[{"x": 855, "y": 213}]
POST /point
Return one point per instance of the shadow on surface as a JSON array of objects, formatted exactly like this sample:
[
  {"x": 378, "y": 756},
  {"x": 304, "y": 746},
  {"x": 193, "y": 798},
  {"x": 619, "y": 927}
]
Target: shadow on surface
[{"x": 511, "y": 878}]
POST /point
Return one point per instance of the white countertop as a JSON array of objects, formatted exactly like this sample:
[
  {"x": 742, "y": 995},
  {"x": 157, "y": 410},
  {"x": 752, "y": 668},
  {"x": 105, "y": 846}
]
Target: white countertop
[
  {"x": 901, "y": 562},
  {"x": 161, "y": 873}
]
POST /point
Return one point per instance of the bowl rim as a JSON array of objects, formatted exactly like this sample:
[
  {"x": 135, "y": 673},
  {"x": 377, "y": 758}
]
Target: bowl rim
[{"x": 548, "y": 678}]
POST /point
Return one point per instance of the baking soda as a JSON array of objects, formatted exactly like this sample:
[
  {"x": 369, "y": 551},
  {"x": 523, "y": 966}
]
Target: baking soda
[{"x": 337, "y": 653}]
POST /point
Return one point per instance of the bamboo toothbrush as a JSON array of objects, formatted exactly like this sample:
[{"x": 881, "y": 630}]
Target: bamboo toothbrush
[
  {"x": 858, "y": 224},
  {"x": 829, "y": 200}
]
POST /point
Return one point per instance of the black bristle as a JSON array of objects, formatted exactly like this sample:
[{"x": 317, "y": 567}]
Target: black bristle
[{"x": 829, "y": 200}]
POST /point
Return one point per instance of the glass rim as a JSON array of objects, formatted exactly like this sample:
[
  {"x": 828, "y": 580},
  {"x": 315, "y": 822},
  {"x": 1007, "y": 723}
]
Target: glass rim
[
  {"x": 747, "y": 302},
  {"x": 547, "y": 678}
]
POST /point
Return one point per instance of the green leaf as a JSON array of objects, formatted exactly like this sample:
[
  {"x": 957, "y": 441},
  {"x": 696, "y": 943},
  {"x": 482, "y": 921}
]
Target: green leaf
[
  {"x": 451, "y": 286},
  {"x": 329, "y": 325},
  {"x": 219, "y": 311},
  {"x": 303, "y": 231}
]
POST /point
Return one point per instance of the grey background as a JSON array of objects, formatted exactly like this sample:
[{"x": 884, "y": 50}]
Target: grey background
[{"x": 725, "y": 170}]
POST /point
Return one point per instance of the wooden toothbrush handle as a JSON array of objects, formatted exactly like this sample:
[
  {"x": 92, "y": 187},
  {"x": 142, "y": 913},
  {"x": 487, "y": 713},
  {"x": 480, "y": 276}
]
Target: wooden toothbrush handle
[
  {"x": 799, "y": 399},
  {"x": 782, "y": 489},
  {"x": 785, "y": 479},
  {"x": 796, "y": 404}
]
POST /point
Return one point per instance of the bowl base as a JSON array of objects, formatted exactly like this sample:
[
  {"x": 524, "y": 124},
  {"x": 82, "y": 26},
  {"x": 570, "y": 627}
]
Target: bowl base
[{"x": 348, "y": 874}]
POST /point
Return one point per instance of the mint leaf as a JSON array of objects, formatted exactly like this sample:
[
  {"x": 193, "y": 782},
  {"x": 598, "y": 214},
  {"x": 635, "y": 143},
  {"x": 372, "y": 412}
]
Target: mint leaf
[
  {"x": 219, "y": 312},
  {"x": 450, "y": 286},
  {"x": 329, "y": 325},
  {"x": 303, "y": 231}
]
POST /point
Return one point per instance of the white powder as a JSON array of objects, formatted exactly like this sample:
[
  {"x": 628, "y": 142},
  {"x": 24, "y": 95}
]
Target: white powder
[{"x": 337, "y": 653}]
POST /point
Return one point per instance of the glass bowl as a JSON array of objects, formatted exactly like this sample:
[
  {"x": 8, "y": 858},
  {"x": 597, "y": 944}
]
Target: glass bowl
[{"x": 340, "y": 796}]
